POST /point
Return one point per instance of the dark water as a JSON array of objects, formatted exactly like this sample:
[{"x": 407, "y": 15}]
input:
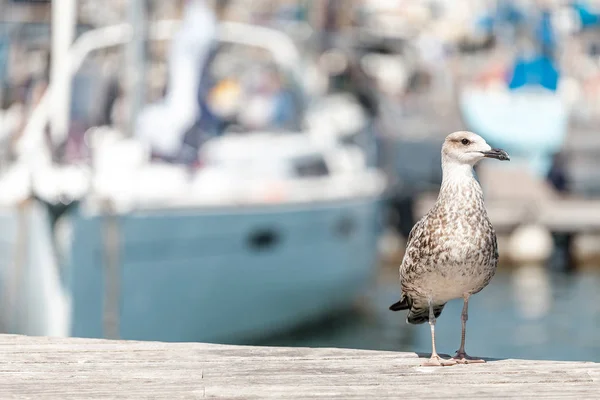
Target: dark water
[{"x": 523, "y": 313}]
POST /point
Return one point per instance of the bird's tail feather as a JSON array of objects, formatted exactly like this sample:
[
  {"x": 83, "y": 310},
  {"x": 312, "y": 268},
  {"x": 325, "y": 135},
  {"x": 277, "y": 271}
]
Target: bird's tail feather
[
  {"x": 419, "y": 315},
  {"x": 418, "y": 312},
  {"x": 402, "y": 304}
]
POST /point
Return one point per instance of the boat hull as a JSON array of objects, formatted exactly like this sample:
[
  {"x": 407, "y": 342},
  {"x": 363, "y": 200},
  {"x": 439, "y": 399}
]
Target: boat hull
[
  {"x": 34, "y": 301},
  {"x": 220, "y": 275},
  {"x": 530, "y": 125}
]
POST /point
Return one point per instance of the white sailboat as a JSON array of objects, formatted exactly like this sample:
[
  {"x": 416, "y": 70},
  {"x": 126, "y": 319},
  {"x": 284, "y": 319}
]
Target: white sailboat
[{"x": 246, "y": 246}]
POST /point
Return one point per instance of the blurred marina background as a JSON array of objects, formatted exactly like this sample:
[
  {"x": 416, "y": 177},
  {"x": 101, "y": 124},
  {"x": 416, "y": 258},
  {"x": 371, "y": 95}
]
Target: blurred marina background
[{"x": 248, "y": 171}]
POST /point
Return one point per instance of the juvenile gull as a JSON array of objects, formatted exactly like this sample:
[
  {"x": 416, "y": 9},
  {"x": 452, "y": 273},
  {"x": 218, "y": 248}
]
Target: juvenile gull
[{"x": 451, "y": 252}]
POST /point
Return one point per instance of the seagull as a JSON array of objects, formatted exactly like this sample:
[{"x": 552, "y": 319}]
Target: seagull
[{"x": 452, "y": 251}]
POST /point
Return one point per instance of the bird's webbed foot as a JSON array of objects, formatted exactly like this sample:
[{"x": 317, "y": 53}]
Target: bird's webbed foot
[
  {"x": 437, "y": 361},
  {"x": 462, "y": 357}
]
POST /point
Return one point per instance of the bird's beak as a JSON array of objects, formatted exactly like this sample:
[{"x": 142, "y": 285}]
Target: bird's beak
[{"x": 498, "y": 154}]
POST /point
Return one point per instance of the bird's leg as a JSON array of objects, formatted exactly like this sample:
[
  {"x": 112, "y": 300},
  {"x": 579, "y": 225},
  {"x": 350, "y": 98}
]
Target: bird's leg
[
  {"x": 435, "y": 360},
  {"x": 461, "y": 355}
]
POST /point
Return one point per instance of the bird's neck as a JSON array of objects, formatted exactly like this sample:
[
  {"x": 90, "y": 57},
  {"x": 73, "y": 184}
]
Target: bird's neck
[
  {"x": 459, "y": 182},
  {"x": 456, "y": 172}
]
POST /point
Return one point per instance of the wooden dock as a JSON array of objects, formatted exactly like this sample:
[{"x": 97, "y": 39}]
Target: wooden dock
[{"x": 66, "y": 368}]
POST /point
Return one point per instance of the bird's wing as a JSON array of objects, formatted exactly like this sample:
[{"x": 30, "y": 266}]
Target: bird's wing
[
  {"x": 411, "y": 254},
  {"x": 409, "y": 263}
]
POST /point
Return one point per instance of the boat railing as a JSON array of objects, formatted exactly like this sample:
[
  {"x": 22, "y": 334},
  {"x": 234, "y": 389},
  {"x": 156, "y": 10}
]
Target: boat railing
[{"x": 31, "y": 145}]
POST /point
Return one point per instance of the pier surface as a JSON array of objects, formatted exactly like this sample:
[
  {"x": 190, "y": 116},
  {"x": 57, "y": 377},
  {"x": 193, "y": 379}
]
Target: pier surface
[{"x": 68, "y": 368}]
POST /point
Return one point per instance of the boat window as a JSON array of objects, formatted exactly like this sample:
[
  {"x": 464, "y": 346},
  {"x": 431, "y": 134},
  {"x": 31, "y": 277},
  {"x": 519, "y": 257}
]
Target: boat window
[
  {"x": 310, "y": 167},
  {"x": 245, "y": 91}
]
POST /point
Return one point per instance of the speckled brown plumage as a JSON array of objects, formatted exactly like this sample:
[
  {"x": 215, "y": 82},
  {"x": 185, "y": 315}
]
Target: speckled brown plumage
[{"x": 452, "y": 251}]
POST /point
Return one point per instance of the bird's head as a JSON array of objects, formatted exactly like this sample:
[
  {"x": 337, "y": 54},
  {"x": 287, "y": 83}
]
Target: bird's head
[{"x": 467, "y": 148}]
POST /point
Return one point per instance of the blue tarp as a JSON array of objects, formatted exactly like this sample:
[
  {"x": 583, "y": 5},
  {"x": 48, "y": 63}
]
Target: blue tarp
[
  {"x": 586, "y": 16},
  {"x": 537, "y": 71}
]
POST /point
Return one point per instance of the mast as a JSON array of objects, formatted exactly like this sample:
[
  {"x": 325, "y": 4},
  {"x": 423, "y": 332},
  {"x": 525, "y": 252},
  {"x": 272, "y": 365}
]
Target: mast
[
  {"x": 136, "y": 61},
  {"x": 64, "y": 18}
]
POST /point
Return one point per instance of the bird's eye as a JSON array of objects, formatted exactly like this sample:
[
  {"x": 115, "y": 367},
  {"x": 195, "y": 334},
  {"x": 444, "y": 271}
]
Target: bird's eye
[{"x": 465, "y": 142}]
